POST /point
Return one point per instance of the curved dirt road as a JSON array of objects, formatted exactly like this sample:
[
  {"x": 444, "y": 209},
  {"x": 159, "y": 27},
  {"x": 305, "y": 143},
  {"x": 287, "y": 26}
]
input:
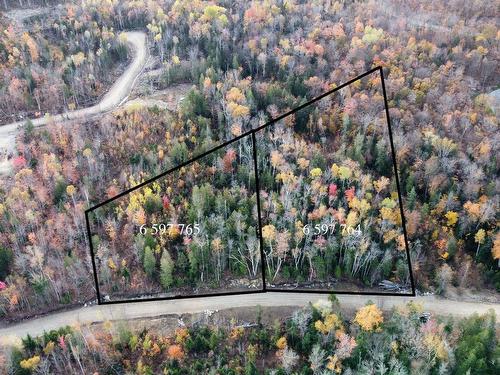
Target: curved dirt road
[
  {"x": 116, "y": 95},
  {"x": 93, "y": 314}
]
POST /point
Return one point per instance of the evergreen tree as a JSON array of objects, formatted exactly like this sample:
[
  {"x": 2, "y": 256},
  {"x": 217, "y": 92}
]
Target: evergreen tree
[
  {"x": 382, "y": 159},
  {"x": 478, "y": 346},
  {"x": 412, "y": 198},
  {"x": 6, "y": 258}
]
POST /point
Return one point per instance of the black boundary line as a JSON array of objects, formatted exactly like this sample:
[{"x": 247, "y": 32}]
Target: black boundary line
[
  {"x": 393, "y": 150},
  {"x": 393, "y": 154},
  {"x": 252, "y": 132},
  {"x": 258, "y": 291},
  {"x": 322, "y": 291},
  {"x": 92, "y": 255},
  {"x": 259, "y": 215},
  {"x": 131, "y": 300}
]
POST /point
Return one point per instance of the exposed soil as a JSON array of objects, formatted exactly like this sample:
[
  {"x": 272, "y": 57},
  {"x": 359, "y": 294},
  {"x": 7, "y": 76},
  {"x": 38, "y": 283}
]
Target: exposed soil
[{"x": 232, "y": 286}]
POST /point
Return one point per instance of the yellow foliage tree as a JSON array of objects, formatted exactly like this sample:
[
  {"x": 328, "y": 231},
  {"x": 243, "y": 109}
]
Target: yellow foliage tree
[
  {"x": 236, "y": 333},
  {"x": 70, "y": 190},
  {"x": 331, "y": 322},
  {"x": 479, "y": 238},
  {"x": 49, "y": 347},
  {"x": 87, "y": 152},
  {"x": 436, "y": 345},
  {"x": 32, "y": 47},
  {"x": 78, "y": 59},
  {"x": 474, "y": 209},
  {"x": 217, "y": 244},
  {"x": 173, "y": 231},
  {"x": 334, "y": 364},
  {"x": 30, "y": 363},
  {"x": 238, "y": 110},
  {"x": 369, "y": 317},
  {"x": 381, "y": 184},
  {"x": 352, "y": 219},
  {"x": 235, "y": 95},
  {"x": 276, "y": 159},
  {"x": 452, "y": 218},
  {"x": 303, "y": 163},
  {"x": 111, "y": 264},
  {"x": 316, "y": 172},
  {"x": 269, "y": 232},
  {"x": 344, "y": 173},
  {"x": 281, "y": 343},
  {"x": 390, "y": 235}
]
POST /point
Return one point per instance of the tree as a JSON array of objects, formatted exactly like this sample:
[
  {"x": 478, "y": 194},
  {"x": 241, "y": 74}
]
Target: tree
[
  {"x": 495, "y": 250},
  {"x": 478, "y": 346},
  {"x": 166, "y": 269},
  {"x": 444, "y": 276},
  {"x": 289, "y": 359},
  {"x": 479, "y": 238},
  {"x": 6, "y": 258},
  {"x": 369, "y": 317},
  {"x": 331, "y": 322},
  {"x": 452, "y": 218},
  {"x": 149, "y": 262},
  {"x": 30, "y": 363},
  {"x": 317, "y": 358},
  {"x": 175, "y": 352},
  {"x": 412, "y": 198}
]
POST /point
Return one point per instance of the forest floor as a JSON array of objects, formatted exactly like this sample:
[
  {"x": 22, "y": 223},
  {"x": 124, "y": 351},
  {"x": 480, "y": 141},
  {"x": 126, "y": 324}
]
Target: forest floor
[
  {"x": 168, "y": 98},
  {"x": 155, "y": 309}
]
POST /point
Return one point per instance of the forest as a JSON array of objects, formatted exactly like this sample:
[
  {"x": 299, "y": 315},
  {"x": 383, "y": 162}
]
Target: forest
[
  {"x": 318, "y": 339},
  {"x": 210, "y": 198},
  {"x": 249, "y": 62},
  {"x": 60, "y": 64},
  {"x": 331, "y": 215},
  {"x": 193, "y": 230}
]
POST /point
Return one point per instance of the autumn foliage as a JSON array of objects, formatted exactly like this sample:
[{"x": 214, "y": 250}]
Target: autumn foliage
[
  {"x": 407, "y": 342},
  {"x": 249, "y": 62}
]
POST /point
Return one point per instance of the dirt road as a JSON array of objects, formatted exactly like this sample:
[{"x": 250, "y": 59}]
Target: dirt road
[
  {"x": 117, "y": 94},
  {"x": 92, "y": 314}
]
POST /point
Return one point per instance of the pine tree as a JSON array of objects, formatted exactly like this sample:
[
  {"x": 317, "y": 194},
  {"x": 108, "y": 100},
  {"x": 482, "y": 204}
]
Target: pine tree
[
  {"x": 382, "y": 160},
  {"x": 6, "y": 259},
  {"x": 412, "y": 198}
]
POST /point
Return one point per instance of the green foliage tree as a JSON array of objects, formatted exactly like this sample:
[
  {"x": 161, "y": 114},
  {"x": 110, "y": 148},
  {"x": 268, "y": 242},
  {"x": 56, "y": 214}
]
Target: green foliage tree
[
  {"x": 412, "y": 198},
  {"x": 6, "y": 258},
  {"x": 478, "y": 351},
  {"x": 166, "y": 270},
  {"x": 59, "y": 191},
  {"x": 194, "y": 105},
  {"x": 149, "y": 262}
]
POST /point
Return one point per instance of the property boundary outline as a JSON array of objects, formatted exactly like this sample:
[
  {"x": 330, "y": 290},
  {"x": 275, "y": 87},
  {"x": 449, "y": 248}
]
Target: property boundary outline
[
  {"x": 252, "y": 133},
  {"x": 100, "y": 301}
]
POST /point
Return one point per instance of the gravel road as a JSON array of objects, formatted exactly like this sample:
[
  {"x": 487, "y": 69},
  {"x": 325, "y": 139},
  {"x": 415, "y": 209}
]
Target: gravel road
[{"x": 96, "y": 313}]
